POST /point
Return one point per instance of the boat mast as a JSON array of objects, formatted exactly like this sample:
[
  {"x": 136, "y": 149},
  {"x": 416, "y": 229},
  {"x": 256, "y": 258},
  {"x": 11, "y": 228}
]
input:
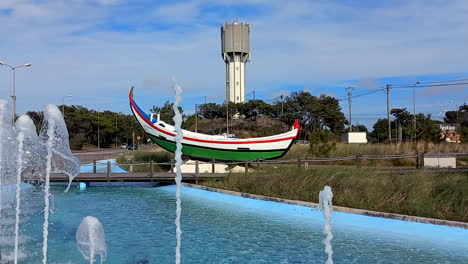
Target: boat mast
[{"x": 227, "y": 118}]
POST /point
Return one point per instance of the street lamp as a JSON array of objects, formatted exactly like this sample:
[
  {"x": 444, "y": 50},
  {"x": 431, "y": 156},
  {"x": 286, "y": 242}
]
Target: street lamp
[
  {"x": 413, "y": 137},
  {"x": 14, "y": 83},
  {"x": 98, "y": 129},
  {"x": 63, "y": 104}
]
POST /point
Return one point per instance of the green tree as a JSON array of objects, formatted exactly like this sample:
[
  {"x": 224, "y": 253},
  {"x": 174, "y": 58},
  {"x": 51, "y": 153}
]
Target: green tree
[
  {"x": 314, "y": 113},
  {"x": 322, "y": 144},
  {"x": 166, "y": 112}
]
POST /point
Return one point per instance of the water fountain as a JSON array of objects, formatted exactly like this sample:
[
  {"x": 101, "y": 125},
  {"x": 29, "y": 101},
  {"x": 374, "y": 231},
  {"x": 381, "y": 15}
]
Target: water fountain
[
  {"x": 90, "y": 239},
  {"x": 325, "y": 204},
  {"x": 178, "y": 158},
  {"x": 26, "y": 157}
]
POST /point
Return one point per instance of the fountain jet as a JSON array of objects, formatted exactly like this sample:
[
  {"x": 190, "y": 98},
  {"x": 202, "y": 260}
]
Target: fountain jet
[
  {"x": 178, "y": 158},
  {"x": 325, "y": 204},
  {"x": 90, "y": 239}
]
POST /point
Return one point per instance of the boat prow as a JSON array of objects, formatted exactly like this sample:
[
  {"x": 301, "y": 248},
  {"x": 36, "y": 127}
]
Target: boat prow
[{"x": 207, "y": 147}]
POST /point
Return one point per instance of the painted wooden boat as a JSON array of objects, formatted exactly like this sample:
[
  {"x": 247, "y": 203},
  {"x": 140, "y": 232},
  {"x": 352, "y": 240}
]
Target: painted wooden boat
[{"x": 207, "y": 147}]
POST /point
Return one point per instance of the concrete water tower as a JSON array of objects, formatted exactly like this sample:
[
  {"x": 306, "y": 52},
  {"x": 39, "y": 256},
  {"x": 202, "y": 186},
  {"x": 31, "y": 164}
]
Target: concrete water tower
[{"x": 235, "y": 50}]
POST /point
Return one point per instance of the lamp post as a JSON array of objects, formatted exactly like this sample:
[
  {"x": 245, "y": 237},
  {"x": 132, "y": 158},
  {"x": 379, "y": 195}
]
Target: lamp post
[
  {"x": 99, "y": 129},
  {"x": 63, "y": 104},
  {"x": 196, "y": 118},
  {"x": 13, "y": 97},
  {"x": 413, "y": 136},
  {"x": 116, "y": 129}
]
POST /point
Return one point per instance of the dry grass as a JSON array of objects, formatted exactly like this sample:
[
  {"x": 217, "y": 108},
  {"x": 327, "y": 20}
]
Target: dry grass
[
  {"x": 437, "y": 195},
  {"x": 157, "y": 155},
  {"x": 343, "y": 150}
]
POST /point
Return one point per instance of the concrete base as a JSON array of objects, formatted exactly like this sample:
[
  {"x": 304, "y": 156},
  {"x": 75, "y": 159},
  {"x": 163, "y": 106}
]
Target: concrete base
[
  {"x": 336, "y": 208},
  {"x": 440, "y": 162}
]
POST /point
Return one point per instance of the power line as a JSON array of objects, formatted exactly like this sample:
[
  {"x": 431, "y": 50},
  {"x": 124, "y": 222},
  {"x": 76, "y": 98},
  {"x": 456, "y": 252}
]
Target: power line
[
  {"x": 425, "y": 83},
  {"x": 432, "y": 85}
]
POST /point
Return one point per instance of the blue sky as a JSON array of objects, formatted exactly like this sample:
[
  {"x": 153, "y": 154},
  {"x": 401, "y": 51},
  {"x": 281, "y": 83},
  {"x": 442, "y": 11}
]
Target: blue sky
[{"x": 96, "y": 50}]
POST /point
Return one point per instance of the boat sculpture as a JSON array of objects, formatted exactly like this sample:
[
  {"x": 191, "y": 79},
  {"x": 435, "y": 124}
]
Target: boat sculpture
[{"x": 207, "y": 147}]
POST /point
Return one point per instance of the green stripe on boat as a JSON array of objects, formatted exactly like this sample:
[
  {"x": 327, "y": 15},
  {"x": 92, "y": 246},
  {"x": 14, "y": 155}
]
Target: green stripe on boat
[{"x": 208, "y": 153}]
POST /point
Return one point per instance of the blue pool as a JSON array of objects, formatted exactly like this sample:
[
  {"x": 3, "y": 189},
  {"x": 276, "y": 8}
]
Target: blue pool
[
  {"x": 101, "y": 166},
  {"x": 217, "y": 228}
]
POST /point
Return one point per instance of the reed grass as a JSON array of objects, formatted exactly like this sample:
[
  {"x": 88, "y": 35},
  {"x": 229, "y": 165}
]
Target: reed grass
[
  {"x": 344, "y": 150},
  {"x": 426, "y": 194},
  {"x": 145, "y": 156}
]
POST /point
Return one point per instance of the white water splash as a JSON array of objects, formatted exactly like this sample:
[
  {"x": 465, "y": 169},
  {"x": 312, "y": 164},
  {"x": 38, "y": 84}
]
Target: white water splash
[
  {"x": 178, "y": 158},
  {"x": 91, "y": 240},
  {"x": 325, "y": 204},
  {"x": 8, "y": 152},
  {"x": 63, "y": 161},
  {"x": 28, "y": 160},
  {"x": 19, "y": 168},
  {"x": 49, "y": 145}
]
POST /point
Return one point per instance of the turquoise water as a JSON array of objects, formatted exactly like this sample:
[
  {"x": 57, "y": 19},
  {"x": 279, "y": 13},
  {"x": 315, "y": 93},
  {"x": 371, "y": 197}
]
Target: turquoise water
[
  {"x": 217, "y": 228},
  {"x": 101, "y": 166}
]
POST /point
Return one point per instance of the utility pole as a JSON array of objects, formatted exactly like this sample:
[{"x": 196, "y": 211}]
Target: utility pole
[
  {"x": 282, "y": 105},
  {"x": 98, "y": 132},
  {"x": 388, "y": 114},
  {"x": 254, "y": 94},
  {"x": 116, "y": 130},
  {"x": 196, "y": 117},
  {"x": 413, "y": 136},
  {"x": 205, "y": 99},
  {"x": 350, "y": 94}
]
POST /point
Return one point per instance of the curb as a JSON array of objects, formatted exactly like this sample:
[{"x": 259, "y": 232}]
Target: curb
[{"x": 410, "y": 218}]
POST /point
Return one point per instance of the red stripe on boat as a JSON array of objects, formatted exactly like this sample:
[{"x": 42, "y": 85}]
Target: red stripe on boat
[{"x": 132, "y": 102}]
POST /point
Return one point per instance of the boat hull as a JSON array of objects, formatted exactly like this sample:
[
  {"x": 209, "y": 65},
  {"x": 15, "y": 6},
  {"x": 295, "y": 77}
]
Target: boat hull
[
  {"x": 201, "y": 153},
  {"x": 206, "y": 147}
]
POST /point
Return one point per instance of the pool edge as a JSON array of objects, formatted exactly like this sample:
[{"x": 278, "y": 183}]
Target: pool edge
[{"x": 409, "y": 218}]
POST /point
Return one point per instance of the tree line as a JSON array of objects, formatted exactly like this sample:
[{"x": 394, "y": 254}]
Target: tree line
[
  {"x": 84, "y": 124},
  {"x": 321, "y": 117}
]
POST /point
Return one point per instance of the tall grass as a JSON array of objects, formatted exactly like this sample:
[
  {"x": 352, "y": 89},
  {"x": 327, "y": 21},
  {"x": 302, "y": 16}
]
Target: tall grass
[
  {"x": 145, "y": 156},
  {"x": 342, "y": 149},
  {"x": 436, "y": 195}
]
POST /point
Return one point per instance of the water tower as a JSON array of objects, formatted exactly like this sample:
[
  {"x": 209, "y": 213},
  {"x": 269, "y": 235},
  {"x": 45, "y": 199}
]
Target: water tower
[{"x": 235, "y": 50}]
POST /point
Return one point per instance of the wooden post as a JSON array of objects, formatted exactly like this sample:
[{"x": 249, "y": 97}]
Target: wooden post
[
  {"x": 299, "y": 163},
  {"x": 421, "y": 160},
  {"x": 212, "y": 166},
  {"x": 246, "y": 165},
  {"x": 172, "y": 166},
  {"x": 417, "y": 160},
  {"x": 306, "y": 165},
  {"x": 108, "y": 171},
  {"x": 94, "y": 166},
  {"x": 151, "y": 168},
  {"x": 196, "y": 172},
  {"x": 357, "y": 161}
]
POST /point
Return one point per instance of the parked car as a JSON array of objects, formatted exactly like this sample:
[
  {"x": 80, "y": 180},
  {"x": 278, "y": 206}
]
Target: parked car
[
  {"x": 123, "y": 146},
  {"x": 132, "y": 146},
  {"x": 302, "y": 142}
]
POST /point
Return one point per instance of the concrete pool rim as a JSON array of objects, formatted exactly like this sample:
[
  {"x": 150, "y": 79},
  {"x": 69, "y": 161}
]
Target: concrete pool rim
[{"x": 402, "y": 217}]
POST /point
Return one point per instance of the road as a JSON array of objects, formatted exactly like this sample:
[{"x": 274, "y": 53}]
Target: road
[{"x": 102, "y": 154}]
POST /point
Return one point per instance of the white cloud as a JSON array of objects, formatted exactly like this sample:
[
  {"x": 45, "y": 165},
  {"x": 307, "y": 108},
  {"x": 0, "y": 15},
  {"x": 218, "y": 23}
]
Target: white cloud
[
  {"x": 75, "y": 49},
  {"x": 179, "y": 12}
]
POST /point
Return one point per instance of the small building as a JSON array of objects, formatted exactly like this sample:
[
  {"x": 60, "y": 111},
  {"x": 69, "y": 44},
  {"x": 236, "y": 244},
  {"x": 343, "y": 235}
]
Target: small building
[
  {"x": 440, "y": 162},
  {"x": 354, "y": 137}
]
